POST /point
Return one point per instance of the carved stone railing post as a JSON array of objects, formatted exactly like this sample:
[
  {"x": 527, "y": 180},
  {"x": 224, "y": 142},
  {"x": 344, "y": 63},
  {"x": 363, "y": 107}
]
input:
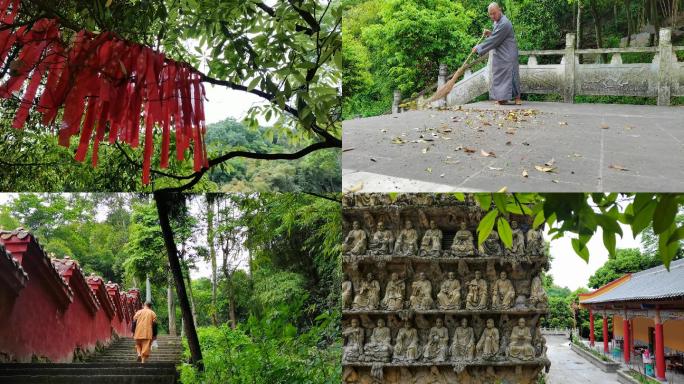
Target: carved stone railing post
[
  {"x": 396, "y": 102},
  {"x": 665, "y": 67},
  {"x": 441, "y": 80},
  {"x": 569, "y": 61}
]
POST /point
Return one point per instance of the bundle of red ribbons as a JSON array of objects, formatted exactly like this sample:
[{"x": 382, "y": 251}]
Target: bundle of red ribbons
[{"x": 114, "y": 83}]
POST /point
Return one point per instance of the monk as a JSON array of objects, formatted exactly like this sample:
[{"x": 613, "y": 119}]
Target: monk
[
  {"x": 144, "y": 335},
  {"x": 505, "y": 71}
]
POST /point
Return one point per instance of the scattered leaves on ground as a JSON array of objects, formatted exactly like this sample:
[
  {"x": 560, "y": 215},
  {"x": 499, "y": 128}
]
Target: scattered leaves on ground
[
  {"x": 487, "y": 154},
  {"x": 545, "y": 169},
  {"x": 356, "y": 187},
  {"x": 617, "y": 167}
]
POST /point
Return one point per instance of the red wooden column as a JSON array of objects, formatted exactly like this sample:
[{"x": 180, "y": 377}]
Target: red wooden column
[
  {"x": 659, "y": 347},
  {"x": 605, "y": 333},
  {"x": 625, "y": 331},
  {"x": 591, "y": 327}
]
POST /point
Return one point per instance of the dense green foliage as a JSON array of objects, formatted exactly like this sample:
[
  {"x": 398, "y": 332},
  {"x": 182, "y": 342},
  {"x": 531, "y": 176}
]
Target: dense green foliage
[{"x": 399, "y": 44}]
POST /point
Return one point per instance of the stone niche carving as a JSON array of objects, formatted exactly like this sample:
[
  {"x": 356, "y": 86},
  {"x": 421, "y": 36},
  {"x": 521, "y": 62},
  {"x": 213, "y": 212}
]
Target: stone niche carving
[{"x": 423, "y": 303}]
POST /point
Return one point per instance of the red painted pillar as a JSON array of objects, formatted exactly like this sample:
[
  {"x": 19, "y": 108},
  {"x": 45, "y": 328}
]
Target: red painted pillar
[
  {"x": 659, "y": 348},
  {"x": 605, "y": 333},
  {"x": 591, "y": 328},
  {"x": 625, "y": 331}
]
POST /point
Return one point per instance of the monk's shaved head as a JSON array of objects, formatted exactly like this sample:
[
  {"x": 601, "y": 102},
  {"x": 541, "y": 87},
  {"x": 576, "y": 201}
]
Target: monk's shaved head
[{"x": 494, "y": 11}]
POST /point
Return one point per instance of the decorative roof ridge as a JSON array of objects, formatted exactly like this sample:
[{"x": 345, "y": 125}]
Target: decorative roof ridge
[
  {"x": 607, "y": 287},
  {"x": 72, "y": 265},
  {"x": 4, "y": 253},
  {"x": 21, "y": 234}
]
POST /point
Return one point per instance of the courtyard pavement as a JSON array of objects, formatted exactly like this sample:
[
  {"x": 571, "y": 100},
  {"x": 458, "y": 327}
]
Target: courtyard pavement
[
  {"x": 567, "y": 367},
  {"x": 537, "y": 147}
]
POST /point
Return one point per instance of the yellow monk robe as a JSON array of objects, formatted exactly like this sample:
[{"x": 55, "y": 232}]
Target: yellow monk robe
[{"x": 143, "y": 331}]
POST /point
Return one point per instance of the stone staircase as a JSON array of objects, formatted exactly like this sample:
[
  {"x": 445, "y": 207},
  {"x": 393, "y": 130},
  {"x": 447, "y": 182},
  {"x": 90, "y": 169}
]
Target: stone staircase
[{"x": 115, "y": 365}]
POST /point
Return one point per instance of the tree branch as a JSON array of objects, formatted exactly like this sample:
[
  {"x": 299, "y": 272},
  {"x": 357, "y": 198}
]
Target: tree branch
[
  {"x": 306, "y": 16},
  {"x": 197, "y": 176},
  {"x": 324, "y": 197}
]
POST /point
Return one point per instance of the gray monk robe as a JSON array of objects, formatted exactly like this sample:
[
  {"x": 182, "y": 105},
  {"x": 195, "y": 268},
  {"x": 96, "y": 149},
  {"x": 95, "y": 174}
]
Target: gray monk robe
[{"x": 505, "y": 71}]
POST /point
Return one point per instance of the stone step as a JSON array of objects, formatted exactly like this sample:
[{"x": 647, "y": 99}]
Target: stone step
[
  {"x": 88, "y": 379},
  {"x": 139, "y": 370},
  {"x": 4, "y": 366}
]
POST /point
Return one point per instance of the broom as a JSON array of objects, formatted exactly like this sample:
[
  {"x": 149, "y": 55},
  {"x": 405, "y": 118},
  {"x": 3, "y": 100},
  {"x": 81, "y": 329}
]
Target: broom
[{"x": 449, "y": 85}]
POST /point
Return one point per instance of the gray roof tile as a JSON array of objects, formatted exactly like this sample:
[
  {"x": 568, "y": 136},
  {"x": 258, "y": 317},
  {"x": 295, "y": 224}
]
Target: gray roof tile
[{"x": 651, "y": 284}]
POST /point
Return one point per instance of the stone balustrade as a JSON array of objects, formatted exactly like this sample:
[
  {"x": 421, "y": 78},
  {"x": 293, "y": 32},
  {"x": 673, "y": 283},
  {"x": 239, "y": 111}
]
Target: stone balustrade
[
  {"x": 662, "y": 78},
  {"x": 51, "y": 311}
]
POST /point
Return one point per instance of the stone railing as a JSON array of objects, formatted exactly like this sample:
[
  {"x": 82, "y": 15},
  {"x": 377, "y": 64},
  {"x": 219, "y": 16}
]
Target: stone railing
[
  {"x": 662, "y": 78},
  {"x": 49, "y": 310},
  {"x": 555, "y": 331}
]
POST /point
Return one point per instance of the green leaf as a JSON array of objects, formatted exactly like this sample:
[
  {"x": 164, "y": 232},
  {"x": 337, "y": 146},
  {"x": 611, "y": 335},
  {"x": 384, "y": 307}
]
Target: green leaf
[
  {"x": 484, "y": 200},
  {"x": 676, "y": 236},
  {"x": 643, "y": 218},
  {"x": 538, "y": 220},
  {"x": 252, "y": 84},
  {"x": 485, "y": 227},
  {"x": 393, "y": 196},
  {"x": 580, "y": 249},
  {"x": 500, "y": 201},
  {"x": 459, "y": 196},
  {"x": 505, "y": 232},
  {"x": 609, "y": 242},
  {"x": 666, "y": 250},
  {"x": 664, "y": 213}
]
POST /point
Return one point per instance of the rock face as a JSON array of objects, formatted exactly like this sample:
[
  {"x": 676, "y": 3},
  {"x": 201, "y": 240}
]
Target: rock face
[{"x": 448, "y": 314}]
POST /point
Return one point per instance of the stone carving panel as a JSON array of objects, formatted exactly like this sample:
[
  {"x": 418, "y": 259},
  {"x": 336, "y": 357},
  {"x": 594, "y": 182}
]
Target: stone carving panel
[{"x": 423, "y": 303}]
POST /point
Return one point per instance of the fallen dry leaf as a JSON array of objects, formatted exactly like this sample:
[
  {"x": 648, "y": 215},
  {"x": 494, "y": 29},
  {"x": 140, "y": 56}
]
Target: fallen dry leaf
[
  {"x": 428, "y": 170},
  {"x": 426, "y": 149},
  {"x": 383, "y": 130},
  {"x": 487, "y": 154},
  {"x": 469, "y": 150},
  {"x": 510, "y": 131},
  {"x": 525, "y": 174},
  {"x": 373, "y": 160},
  {"x": 442, "y": 175},
  {"x": 398, "y": 140},
  {"x": 487, "y": 123},
  {"x": 562, "y": 123},
  {"x": 495, "y": 169},
  {"x": 617, "y": 167},
  {"x": 604, "y": 126},
  {"x": 508, "y": 143},
  {"x": 550, "y": 162},
  {"x": 502, "y": 190},
  {"x": 356, "y": 187},
  {"x": 544, "y": 168},
  {"x": 555, "y": 181},
  {"x": 525, "y": 143},
  {"x": 348, "y": 149},
  {"x": 459, "y": 148}
]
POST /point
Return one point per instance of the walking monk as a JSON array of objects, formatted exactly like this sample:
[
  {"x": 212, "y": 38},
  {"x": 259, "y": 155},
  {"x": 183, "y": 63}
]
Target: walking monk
[
  {"x": 144, "y": 334},
  {"x": 505, "y": 71}
]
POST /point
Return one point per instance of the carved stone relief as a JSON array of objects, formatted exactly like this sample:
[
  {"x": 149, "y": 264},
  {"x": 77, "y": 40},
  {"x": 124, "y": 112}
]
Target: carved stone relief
[{"x": 423, "y": 303}]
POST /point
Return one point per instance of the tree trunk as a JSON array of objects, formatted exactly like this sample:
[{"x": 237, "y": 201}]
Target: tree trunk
[
  {"x": 191, "y": 297},
  {"x": 171, "y": 307},
  {"x": 579, "y": 23},
  {"x": 629, "y": 22},
  {"x": 212, "y": 254},
  {"x": 597, "y": 23},
  {"x": 162, "y": 201}
]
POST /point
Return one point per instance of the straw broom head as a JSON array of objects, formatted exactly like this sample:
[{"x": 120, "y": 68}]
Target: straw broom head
[{"x": 448, "y": 86}]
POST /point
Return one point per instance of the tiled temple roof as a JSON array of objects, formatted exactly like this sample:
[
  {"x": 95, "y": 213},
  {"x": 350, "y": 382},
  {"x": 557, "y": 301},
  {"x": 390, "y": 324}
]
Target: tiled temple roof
[{"x": 652, "y": 284}]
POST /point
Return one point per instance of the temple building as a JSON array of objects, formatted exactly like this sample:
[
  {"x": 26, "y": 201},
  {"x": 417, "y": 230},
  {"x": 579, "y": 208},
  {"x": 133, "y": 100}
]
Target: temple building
[{"x": 647, "y": 308}]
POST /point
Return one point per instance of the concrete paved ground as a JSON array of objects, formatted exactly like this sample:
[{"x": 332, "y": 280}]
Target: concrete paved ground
[
  {"x": 594, "y": 147},
  {"x": 567, "y": 367}
]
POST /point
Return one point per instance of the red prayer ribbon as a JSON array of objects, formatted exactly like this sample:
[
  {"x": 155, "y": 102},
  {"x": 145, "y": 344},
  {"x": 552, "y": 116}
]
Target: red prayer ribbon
[{"x": 106, "y": 86}]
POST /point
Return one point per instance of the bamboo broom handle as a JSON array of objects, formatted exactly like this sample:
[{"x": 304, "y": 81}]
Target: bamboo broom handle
[{"x": 471, "y": 53}]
